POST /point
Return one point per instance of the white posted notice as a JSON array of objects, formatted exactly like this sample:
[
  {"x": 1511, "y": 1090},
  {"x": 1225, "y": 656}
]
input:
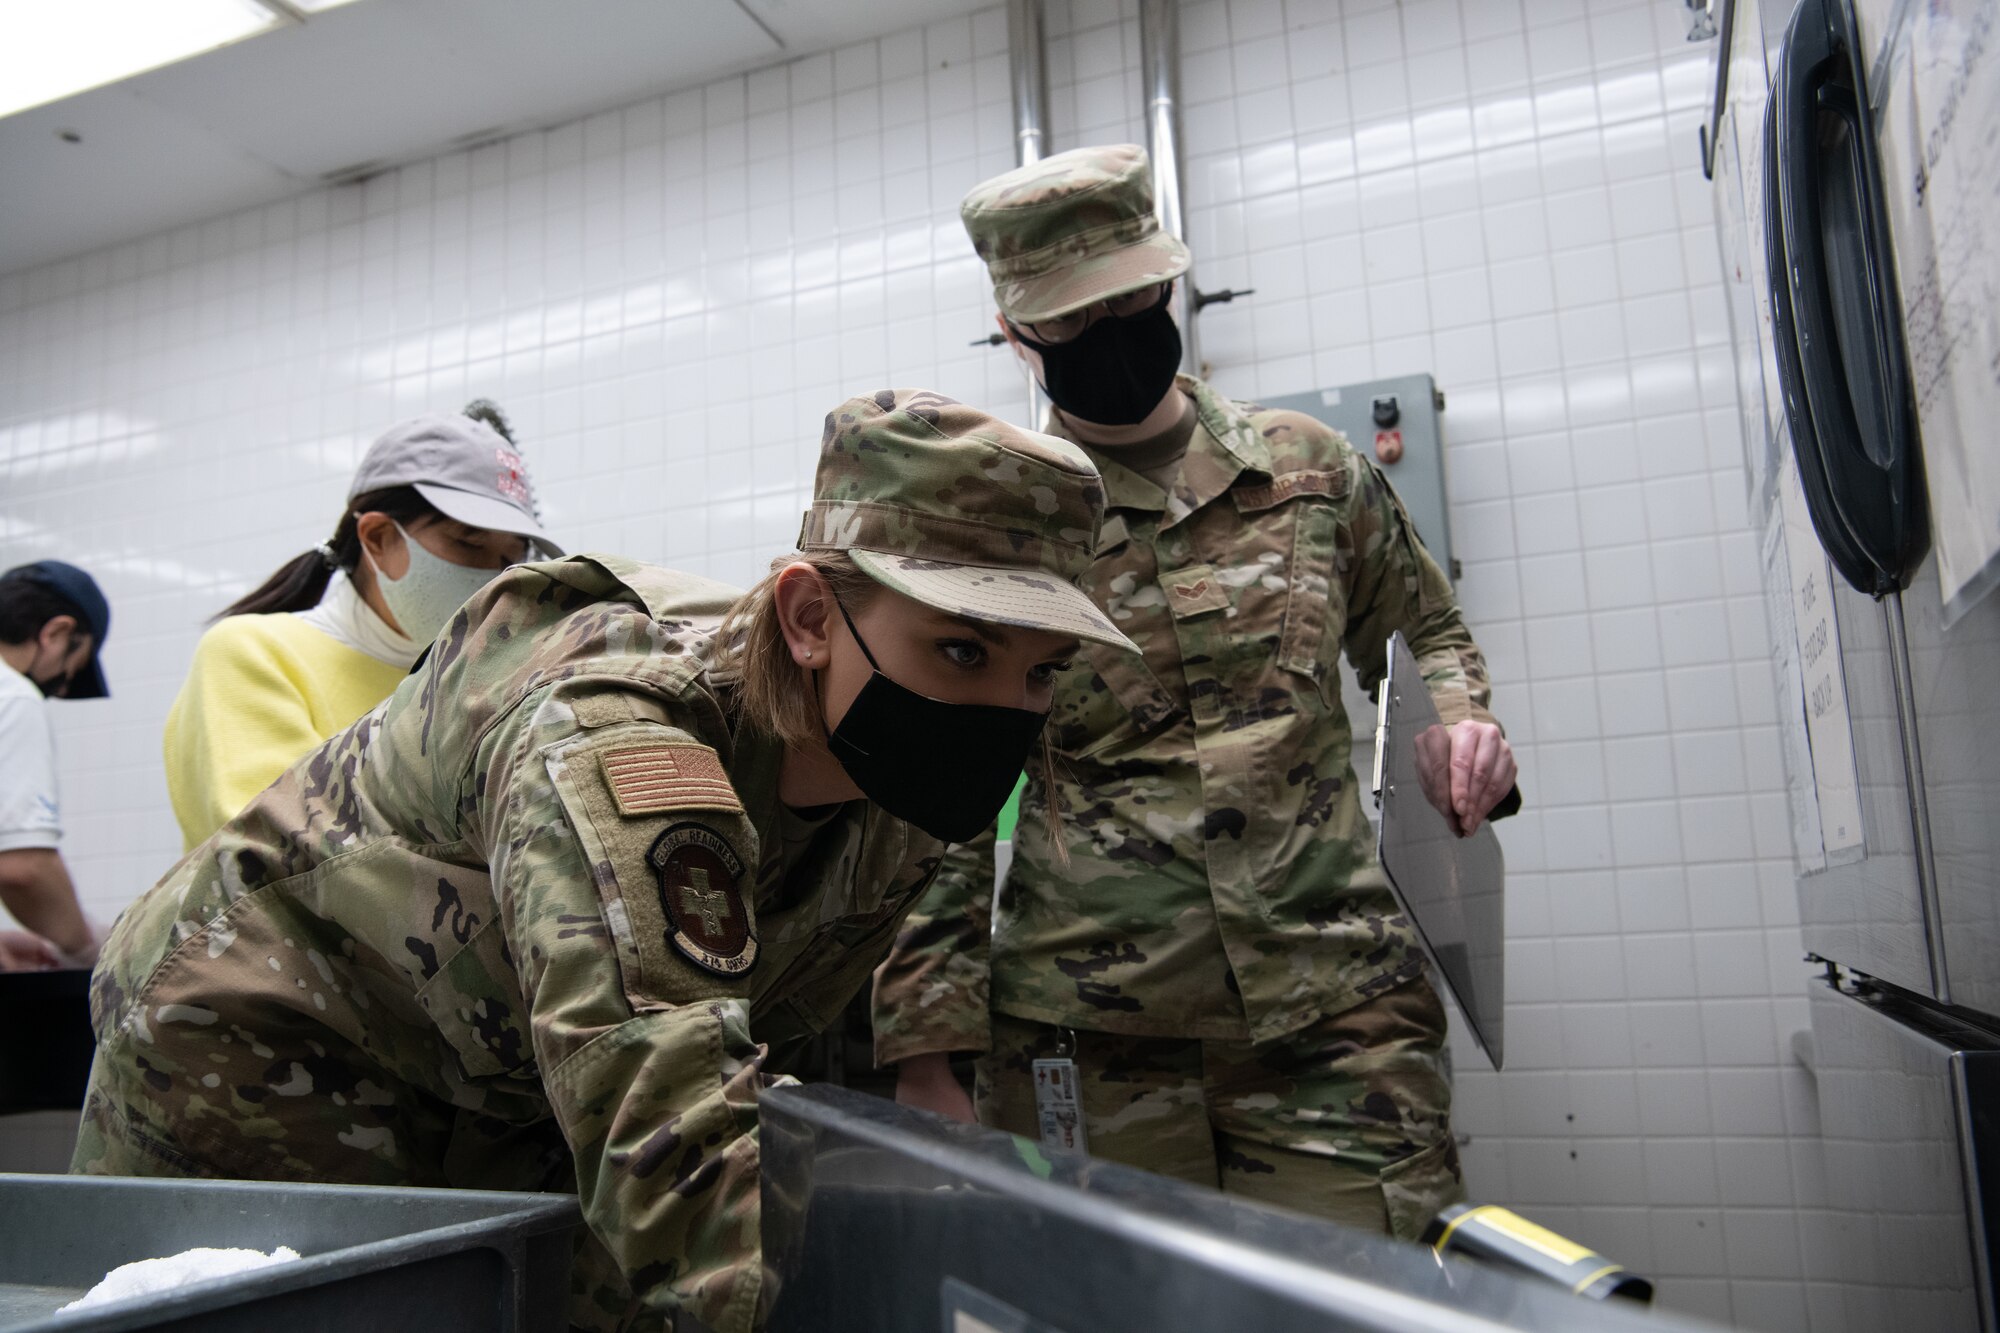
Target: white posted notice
[
  {"x": 1808, "y": 846},
  {"x": 1824, "y": 684},
  {"x": 1941, "y": 152}
]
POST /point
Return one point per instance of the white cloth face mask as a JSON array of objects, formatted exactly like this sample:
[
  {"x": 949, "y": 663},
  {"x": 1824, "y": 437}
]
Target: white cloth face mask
[{"x": 431, "y": 589}]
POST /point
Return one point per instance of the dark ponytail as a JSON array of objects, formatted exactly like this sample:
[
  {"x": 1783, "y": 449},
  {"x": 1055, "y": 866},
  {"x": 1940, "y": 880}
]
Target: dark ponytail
[
  {"x": 300, "y": 582},
  {"x": 488, "y": 411}
]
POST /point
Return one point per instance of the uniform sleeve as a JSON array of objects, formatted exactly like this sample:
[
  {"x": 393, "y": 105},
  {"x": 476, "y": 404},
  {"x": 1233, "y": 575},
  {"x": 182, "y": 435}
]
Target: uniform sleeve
[
  {"x": 240, "y": 720},
  {"x": 932, "y": 992},
  {"x": 30, "y": 814},
  {"x": 645, "y": 1051},
  {"x": 1393, "y": 584}
]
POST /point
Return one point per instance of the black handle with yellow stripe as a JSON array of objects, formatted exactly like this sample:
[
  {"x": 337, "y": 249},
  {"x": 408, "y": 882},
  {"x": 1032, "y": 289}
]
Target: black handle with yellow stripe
[{"x": 1490, "y": 1232}]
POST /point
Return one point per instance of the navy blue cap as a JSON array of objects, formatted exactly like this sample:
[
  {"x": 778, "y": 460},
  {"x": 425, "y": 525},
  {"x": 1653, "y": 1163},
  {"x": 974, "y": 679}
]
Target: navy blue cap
[{"x": 81, "y": 591}]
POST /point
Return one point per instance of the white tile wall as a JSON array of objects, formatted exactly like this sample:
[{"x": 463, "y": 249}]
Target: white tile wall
[
  {"x": 667, "y": 299},
  {"x": 1503, "y": 193}
]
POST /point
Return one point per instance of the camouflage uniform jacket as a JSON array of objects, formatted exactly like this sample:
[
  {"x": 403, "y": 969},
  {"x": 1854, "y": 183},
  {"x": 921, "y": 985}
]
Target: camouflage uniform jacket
[
  {"x": 1221, "y": 880},
  {"x": 510, "y": 930}
]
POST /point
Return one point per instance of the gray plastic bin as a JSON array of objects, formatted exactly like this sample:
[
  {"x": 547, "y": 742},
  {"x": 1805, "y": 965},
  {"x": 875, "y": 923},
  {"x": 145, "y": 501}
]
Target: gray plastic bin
[{"x": 371, "y": 1258}]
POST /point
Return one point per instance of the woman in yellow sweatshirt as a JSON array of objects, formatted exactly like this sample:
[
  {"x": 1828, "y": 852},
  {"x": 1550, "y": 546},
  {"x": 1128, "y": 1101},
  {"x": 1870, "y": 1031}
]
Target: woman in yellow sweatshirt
[{"x": 439, "y": 506}]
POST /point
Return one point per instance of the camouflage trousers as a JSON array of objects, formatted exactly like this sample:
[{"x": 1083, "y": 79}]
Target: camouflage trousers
[{"x": 1348, "y": 1118}]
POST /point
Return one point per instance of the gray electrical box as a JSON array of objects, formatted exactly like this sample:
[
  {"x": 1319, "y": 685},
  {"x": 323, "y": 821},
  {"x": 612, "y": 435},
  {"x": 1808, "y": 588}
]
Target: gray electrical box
[{"x": 1394, "y": 418}]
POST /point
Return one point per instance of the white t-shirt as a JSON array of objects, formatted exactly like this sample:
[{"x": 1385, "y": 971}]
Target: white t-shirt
[
  {"x": 30, "y": 811},
  {"x": 346, "y": 619}
]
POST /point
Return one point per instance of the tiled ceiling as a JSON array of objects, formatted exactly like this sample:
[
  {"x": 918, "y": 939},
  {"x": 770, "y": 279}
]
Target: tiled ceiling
[{"x": 370, "y": 85}]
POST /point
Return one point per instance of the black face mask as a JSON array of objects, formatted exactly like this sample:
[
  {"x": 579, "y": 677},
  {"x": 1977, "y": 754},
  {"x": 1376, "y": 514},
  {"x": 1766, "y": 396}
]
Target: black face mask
[
  {"x": 1117, "y": 370},
  {"x": 946, "y": 768}
]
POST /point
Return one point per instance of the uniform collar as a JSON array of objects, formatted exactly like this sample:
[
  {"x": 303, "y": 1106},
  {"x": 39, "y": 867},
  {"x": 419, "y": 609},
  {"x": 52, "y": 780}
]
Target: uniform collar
[
  {"x": 1225, "y": 445},
  {"x": 752, "y": 763}
]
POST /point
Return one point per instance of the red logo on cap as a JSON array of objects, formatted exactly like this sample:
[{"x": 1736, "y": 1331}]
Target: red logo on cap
[{"x": 512, "y": 480}]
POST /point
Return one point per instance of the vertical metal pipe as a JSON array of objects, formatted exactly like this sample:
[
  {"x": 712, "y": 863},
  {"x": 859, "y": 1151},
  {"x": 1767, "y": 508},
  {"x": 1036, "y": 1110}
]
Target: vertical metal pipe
[
  {"x": 1028, "y": 75},
  {"x": 1160, "y": 75},
  {"x": 1913, "y": 777}
]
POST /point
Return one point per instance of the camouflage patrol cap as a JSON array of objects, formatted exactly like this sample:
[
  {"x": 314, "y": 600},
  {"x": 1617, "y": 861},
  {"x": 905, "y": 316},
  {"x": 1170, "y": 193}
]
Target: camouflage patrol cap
[
  {"x": 1071, "y": 229},
  {"x": 960, "y": 510}
]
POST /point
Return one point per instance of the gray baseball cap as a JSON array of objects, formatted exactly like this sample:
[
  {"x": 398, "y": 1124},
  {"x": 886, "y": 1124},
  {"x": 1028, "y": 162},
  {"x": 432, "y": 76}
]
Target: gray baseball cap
[{"x": 463, "y": 467}]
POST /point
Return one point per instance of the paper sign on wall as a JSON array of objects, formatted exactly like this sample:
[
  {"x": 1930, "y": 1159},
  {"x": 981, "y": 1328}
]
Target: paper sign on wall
[
  {"x": 1940, "y": 142},
  {"x": 1808, "y": 847},
  {"x": 1822, "y": 683}
]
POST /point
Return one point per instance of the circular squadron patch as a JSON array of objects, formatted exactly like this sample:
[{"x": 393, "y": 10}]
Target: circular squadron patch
[{"x": 701, "y": 890}]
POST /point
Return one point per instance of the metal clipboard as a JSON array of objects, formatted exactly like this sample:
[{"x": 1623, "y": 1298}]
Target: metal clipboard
[{"x": 1451, "y": 888}]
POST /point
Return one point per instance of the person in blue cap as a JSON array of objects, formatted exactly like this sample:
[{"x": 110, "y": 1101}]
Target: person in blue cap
[{"x": 53, "y": 623}]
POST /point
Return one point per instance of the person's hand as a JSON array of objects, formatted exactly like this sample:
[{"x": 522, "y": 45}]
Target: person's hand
[
  {"x": 927, "y": 1083},
  {"x": 1482, "y": 772},
  {"x": 1432, "y": 751},
  {"x": 85, "y": 958},
  {"x": 22, "y": 951}
]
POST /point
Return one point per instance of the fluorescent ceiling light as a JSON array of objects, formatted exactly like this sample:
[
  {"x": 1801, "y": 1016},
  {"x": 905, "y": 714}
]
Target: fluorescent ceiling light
[{"x": 50, "y": 49}]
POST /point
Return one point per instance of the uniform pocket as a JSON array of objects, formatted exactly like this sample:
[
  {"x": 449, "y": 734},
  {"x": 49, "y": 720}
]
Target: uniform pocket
[
  {"x": 476, "y": 1004},
  {"x": 1120, "y": 699},
  {"x": 114, "y": 1142},
  {"x": 1308, "y": 642},
  {"x": 1415, "y": 1189},
  {"x": 430, "y": 924},
  {"x": 1134, "y": 689}
]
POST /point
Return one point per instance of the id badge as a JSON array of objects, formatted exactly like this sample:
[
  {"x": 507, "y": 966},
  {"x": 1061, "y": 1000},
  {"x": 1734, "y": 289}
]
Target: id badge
[{"x": 1058, "y": 1105}]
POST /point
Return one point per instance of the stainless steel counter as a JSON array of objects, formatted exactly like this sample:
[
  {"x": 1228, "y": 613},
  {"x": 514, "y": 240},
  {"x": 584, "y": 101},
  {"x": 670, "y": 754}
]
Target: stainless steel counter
[{"x": 884, "y": 1219}]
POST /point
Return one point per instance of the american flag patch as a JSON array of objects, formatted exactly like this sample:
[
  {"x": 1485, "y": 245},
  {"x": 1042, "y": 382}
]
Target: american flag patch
[{"x": 651, "y": 779}]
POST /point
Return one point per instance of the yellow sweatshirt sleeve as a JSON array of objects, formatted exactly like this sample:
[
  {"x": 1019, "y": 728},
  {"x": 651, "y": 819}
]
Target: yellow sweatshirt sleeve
[{"x": 262, "y": 692}]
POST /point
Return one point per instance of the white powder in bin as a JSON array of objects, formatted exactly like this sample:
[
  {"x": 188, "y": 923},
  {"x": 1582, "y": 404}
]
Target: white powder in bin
[{"x": 147, "y": 1277}]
